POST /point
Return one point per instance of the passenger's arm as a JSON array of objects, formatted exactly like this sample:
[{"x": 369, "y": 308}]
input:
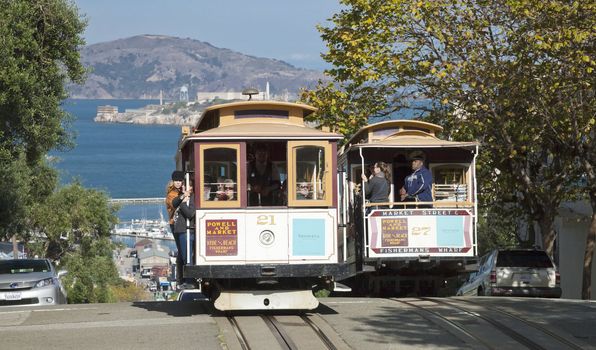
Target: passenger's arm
[
  {"x": 188, "y": 209},
  {"x": 417, "y": 186}
]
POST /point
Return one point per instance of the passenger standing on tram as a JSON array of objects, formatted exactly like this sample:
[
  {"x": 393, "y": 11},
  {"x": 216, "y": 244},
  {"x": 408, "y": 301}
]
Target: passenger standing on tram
[
  {"x": 184, "y": 226},
  {"x": 418, "y": 185},
  {"x": 173, "y": 190},
  {"x": 263, "y": 178},
  {"x": 377, "y": 186}
]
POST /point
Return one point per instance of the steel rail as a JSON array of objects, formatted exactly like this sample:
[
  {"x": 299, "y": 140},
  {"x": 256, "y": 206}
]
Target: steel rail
[
  {"x": 241, "y": 338},
  {"x": 328, "y": 343},
  {"x": 513, "y": 334},
  {"x": 279, "y": 333},
  {"x": 446, "y": 320},
  {"x": 531, "y": 324}
]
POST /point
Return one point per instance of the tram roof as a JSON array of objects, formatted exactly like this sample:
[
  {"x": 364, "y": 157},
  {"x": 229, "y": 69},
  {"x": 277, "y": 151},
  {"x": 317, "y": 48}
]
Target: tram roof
[
  {"x": 403, "y": 133},
  {"x": 267, "y": 131},
  {"x": 266, "y": 120},
  {"x": 210, "y": 116},
  {"x": 258, "y": 102}
]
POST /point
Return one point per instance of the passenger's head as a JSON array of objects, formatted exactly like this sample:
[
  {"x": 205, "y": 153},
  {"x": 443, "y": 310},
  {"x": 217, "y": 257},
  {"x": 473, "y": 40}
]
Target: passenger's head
[
  {"x": 177, "y": 178},
  {"x": 261, "y": 152},
  {"x": 303, "y": 189},
  {"x": 379, "y": 167},
  {"x": 220, "y": 183},
  {"x": 417, "y": 160},
  {"x": 229, "y": 189}
]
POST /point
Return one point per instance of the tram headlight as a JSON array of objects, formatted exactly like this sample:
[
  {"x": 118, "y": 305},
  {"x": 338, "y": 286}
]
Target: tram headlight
[{"x": 267, "y": 238}]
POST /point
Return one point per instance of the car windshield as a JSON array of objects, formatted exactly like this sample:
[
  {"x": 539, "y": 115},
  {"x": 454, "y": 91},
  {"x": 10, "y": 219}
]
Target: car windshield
[
  {"x": 23, "y": 266},
  {"x": 523, "y": 258}
]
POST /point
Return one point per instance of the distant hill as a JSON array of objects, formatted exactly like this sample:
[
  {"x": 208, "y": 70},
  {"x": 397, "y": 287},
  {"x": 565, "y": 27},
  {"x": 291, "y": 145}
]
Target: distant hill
[{"x": 141, "y": 66}]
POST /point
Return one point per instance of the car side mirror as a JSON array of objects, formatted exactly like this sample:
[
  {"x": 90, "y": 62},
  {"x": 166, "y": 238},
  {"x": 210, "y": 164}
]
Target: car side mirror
[{"x": 62, "y": 273}]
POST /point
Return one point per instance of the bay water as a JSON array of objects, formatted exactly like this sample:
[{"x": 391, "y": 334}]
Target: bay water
[{"x": 124, "y": 160}]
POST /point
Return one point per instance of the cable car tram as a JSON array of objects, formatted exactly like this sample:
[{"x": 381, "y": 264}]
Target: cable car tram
[
  {"x": 410, "y": 247},
  {"x": 265, "y": 191}
]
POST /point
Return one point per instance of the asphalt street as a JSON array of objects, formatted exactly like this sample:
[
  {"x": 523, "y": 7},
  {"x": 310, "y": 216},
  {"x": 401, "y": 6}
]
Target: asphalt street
[{"x": 361, "y": 323}]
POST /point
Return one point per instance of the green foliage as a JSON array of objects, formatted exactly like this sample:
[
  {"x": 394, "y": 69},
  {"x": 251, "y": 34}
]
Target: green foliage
[
  {"x": 71, "y": 215},
  {"x": 38, "y": 55},
  {"x": 127, "y": 291},
  {"x": 40, "y": 42},
  {"x": 515, "y": 74},
  {"x": 322, "y": 293},
  {"x": 21, "y": 184},
  {"x": 91, "y": 272}
]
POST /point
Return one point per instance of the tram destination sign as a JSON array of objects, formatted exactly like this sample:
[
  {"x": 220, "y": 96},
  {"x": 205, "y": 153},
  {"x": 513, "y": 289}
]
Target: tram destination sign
[
  {"x": 221, "y": 237},
  {"x": 412, "y": 232}
]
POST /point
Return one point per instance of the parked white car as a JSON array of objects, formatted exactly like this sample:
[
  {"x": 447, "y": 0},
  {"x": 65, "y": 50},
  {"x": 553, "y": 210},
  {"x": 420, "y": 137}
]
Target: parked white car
[
  {"x": 514, "y": 272},
  {"x": 30, "y": 282}
]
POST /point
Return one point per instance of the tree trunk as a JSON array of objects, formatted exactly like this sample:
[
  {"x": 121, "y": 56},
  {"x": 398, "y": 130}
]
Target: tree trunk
[
  {"x": 589, "y": 253},
  {"x": 15, "y": 247},
  {"x": 547, "y": 229}
]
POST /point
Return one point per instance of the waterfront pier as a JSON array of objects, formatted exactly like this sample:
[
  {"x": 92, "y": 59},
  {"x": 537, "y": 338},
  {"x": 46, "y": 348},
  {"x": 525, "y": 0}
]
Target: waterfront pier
[{"x": 128, "y": 201}]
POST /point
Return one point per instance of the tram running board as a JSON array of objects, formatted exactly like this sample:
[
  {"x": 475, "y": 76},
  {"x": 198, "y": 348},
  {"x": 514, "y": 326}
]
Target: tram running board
[{"x": 266, "y": 300}]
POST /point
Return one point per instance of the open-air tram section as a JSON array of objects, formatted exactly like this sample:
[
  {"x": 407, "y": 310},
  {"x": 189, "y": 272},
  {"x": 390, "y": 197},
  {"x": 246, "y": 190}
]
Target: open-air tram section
[{"x": 279, "y": 211}]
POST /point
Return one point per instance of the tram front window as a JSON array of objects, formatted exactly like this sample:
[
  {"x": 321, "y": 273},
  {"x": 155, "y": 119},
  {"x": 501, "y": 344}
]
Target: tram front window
[
  {"x": 310, "y": 173},
  {"x": 220, "y": 179},
  {"x": 265, "y": 174}
]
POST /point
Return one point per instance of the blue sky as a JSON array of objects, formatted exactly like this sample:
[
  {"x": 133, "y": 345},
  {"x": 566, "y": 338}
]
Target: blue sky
[{"x": 281, "y": 29}]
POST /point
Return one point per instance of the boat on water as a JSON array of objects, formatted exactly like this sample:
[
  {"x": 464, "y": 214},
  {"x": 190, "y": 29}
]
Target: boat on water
[{"x": 143, "y": 228}]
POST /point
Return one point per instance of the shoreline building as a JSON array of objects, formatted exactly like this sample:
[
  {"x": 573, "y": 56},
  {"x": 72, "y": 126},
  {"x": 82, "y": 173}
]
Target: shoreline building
[{"x": 225, "y": 95}]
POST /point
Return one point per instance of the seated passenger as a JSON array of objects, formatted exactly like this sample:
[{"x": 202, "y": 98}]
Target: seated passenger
[
  {"x": 227, "y": 191},
  {"x": 263, "y": 178},
  {"x": 303, "y": 190}
]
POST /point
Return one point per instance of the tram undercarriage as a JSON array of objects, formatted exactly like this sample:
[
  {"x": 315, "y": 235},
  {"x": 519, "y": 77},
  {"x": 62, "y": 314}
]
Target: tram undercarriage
[
  {"x": 265, "y": 287},
  {"x": 409, "y": 278}
]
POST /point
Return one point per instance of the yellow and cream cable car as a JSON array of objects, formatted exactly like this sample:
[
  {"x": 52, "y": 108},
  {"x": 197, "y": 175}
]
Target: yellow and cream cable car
[
  {"x": 413, "y": 246},
  {"x": 266, "y": 205}
]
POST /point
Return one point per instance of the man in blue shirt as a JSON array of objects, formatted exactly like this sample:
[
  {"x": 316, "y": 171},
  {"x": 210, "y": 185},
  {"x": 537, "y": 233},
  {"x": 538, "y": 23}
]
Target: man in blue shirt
[{"x": 418, "y": 185}]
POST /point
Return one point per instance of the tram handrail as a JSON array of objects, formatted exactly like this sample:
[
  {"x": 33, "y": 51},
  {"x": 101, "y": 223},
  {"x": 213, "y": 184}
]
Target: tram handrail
[{"x": 434, "y": 204}]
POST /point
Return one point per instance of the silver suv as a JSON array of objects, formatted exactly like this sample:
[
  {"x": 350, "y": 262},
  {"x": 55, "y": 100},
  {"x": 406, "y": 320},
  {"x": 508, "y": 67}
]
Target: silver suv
[{"x": 514, "y": 272}]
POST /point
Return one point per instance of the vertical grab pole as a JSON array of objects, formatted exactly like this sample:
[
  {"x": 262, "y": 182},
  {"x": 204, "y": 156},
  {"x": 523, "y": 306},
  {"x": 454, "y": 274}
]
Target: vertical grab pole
[
  {"x": 364, "y": 218},
  {"x": 188, "y": 257},
  {"x": 474, "y": 193},
  {"x": 344, "y": 179}
]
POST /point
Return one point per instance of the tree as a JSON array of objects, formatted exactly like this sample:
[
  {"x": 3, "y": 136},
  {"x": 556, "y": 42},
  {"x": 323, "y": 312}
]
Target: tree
[
  {"x": 514, "y": 74},
  {"x": 69, "y": 216},
  {"x": 91, "y": 272},
  {"x": 38, "y": 55}
]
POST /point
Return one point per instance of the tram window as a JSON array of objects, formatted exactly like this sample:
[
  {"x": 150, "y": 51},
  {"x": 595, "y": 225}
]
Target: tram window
[
  {"x": 450, "y": 182},
  {"x": 310, "y": 171},
  {"x": 266, "y": 173},
  {"x": 220, "y": 175}
]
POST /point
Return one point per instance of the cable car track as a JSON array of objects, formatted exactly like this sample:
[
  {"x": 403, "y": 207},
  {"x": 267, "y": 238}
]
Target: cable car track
[
  {"x": 507, "y": 330},
  {"x": 426, "y": 312},
  {"x": 534, "y": 325},
  {"x": 281, "y": 332}
]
